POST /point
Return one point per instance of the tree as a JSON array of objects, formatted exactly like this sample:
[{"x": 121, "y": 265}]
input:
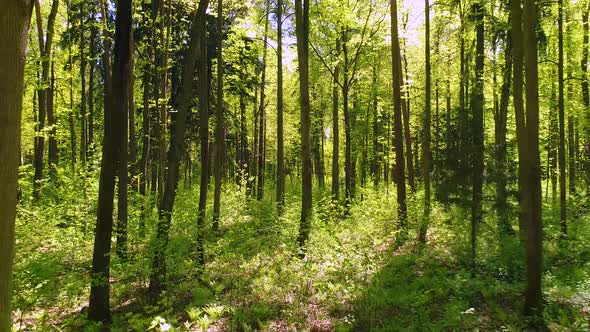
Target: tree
[
  {"x": 302, "y": 32},
  {"x": 14, "y": 26},
  {"x": 280, "y": 111},
  {"x": 262, "y": 113},
  {"x": 426, "y": 152},
  {"x": 335, "y": 130},
  {"x": 561, "y": 106},
  {"x": 219, "y": 125},
  {"x": 525, "y": 50},
  {"x": 399, "y": 172},
  {"x": 203, "y": 94},
  {"x": 477, "y": 104},
  {"x": 177, "y": 144},
  {"x": 113, "y": 137},
  {"x": 500, "y": 128},
  {"x": 45, "y": 50}
]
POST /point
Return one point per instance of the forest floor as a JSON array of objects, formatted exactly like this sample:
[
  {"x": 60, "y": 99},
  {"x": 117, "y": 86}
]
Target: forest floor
[{"x": 353, "y": 278}]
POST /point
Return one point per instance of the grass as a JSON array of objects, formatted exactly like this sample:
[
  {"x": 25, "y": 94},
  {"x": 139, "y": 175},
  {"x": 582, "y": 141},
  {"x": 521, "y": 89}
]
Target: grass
[{"x": 353, "y": 278}]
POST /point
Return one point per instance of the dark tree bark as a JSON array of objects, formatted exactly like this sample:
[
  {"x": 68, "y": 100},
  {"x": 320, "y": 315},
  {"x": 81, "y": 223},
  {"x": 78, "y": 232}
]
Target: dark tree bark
[
  {"x": 51, "y": 121},
  {"x": 426, "y": 153},
  {"x": 113, "y": 138},
  {"x": 83, "y": 114},
  {"x": 71, "y": 103},
  {"x": 399, "y": 172},
  {"x": 182, "y": 106},
  {"x": 335, "y": 131},
  {"x": 280, "y": 107},
  {"x": 220, "y": 122},
  {"x": 348, "y": 166},
  {"x": 500, "y": 128},
  {"x": 92, "y": 58},
  {"x": 14, "y": 25},
  {"x": 377, "y": 159},
  {"x": 132, "y": 139},
  {"x": 203, "y": 94},
  {"x": 123, "y": 155},
  {"x": 477, "y": 103},
  {"x": 532, "y": 202},
  {"x": 406, "y": 124},
  {"x": 262, "y": 115},
  {"x": 302, "y": 33},
  {"x": 45, "y": 50}
]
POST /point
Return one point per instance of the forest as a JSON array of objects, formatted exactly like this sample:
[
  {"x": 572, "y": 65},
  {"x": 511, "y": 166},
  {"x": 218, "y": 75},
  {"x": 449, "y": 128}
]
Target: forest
[{"x": 294, "y": 165}]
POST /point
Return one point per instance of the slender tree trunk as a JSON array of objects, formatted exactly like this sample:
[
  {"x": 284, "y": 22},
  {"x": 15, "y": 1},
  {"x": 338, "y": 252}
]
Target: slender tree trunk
[
  {"x": 280, "y": 111},
  {"x": 220, "y": 123},
  {"x": 262, "y": 113},
  {"x": 335, "y": 131},
  {"x": 534, "y": 227},
  {"x": 406, "y": 124},
  {"x": 182, "y": 106},
  {"x": 83, "y": 115},
  {"x": 14, "y": 25},
  {"x": 397, "y": 124},
  {"x": 71, "y": 103},
  {"x": 348, "y": 167},
  {"x": 585, "y": 93},
  {"x": 162, "y": 60},
  {"x": 302, "y": 33},
  {"x": 113, "y": 138},
  {"x": 123, "y": 154},
  {"x": 51, "y": 121},
  {"x": 133, "y": 165},
  {"x": 561, "y": 106},
  {"x": 426, "y": 153},
  {"x": 92, "y": 56},
  {"x": 377, "y": 160},
  {"x": 462, "y": 117},
  {"x": 477, "y": 105},
  {"x": 203, "y": 93},
  {"x": 500, "y": 121},
  {"x": 45, "y": 50}
]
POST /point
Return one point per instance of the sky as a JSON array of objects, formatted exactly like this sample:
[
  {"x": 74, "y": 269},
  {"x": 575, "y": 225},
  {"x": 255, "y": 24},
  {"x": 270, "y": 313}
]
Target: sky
[{"x": 414, "y": 8}]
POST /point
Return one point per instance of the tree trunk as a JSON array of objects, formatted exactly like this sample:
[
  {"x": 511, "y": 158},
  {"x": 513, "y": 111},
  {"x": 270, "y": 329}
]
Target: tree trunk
[
  {"x": 426, "y": 153},
  {"x": 377, "y": 160},
  {"x": 302, "y": 33},
  {"x": 500, "y": 124},
  {"x": 91, "y": 110},
  {"x": 406, "y": 125},
  {"x": 280, "y": 126},
  {"x": 262, "y": 113},
  {"x": 14, "y": 25},
  {"x": 477, "y": 104},
  {"x": 53, "y": 149},
  {"x": 348, "y": 167},
  {"x": 585, "y": 93},
  {"x": 113, "y": 140},
  {"x": 71, "y": 104},
  {"x": 532, "y": 203},
  {"x": 182, "y": 106},
  {"x": 45, "y": 50},
  {"x": 561, "y": 106},
  {"x": 123, "y": 154},
  {"x": 220, "y": 123},
  {"x": 335, "y": 131},
  {"x": 83, "y": 122},
  {"x": 203, "y": 93},
  {"x": 399, "y": 172}
]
